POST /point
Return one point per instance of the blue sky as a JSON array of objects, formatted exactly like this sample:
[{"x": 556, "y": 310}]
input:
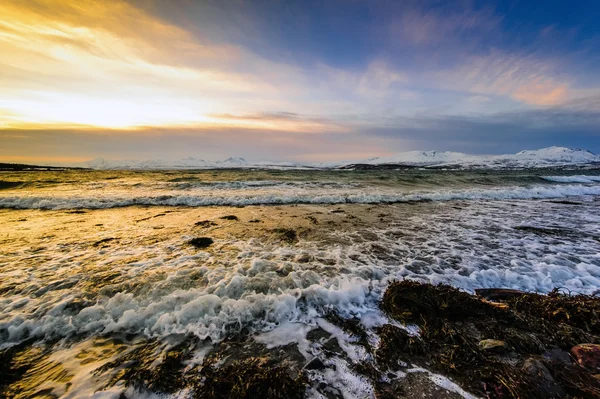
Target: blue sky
[{"x": 297, "y": 80}]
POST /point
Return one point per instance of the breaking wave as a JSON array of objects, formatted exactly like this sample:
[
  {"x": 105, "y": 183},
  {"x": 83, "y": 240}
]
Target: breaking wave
[
  {"x": 299, "y": 197},
  {"x": 573, "y": 179}
]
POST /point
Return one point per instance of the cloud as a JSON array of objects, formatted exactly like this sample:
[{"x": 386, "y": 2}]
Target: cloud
[
  {"x": 81, "y": 70},
  {"x": 525, "y": 78},
  {"x": 425, "y": 26},
  {"x": 574, "y": 124},
  {"x": 111, "y": 64},
  {"x": 280, "y": 121},
  {"x": 212, "y": 143}
]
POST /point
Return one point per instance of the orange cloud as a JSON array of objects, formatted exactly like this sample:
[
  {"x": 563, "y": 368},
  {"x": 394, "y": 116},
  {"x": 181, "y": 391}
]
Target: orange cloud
[
  {"x": 524, "y": 78},
  {"x": 542, "y": 93},
  {"x": 109, "y": 64}
]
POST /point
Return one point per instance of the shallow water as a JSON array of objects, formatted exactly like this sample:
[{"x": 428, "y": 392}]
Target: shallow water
[
  {"x": 107, "y": 189},
  {"x": 96, "y": 265}
]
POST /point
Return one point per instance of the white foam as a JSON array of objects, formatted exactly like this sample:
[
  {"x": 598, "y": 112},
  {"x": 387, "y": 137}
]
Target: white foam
[
  {"x": 285, "y": 334},
  {"x": 166, "y": 288},
  {"x": 573, "y": 179},
  {"x": 340, "y": 377},
  {"x": 443, "y": 382},
  {"x": 298, "y": 197}
]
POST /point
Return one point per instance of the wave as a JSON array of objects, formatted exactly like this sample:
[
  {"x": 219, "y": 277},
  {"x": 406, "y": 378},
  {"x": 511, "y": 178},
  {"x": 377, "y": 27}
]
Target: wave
[
  {"x": 573, "y": 179},
  {"x": 334, "y": 197},
  {"x": 4, "y": 185},
  {"x": 240, "y": 185}
]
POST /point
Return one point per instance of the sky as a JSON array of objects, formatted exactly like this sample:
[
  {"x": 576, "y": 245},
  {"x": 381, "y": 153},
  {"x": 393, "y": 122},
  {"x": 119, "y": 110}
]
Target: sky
[{"x": 311, "y": 81}]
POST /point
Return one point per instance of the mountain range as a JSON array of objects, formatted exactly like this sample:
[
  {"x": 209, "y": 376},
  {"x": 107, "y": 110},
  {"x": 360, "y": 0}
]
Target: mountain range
[{"x": 543, "y": 158}]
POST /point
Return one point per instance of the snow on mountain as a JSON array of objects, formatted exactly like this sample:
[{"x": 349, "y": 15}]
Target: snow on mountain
[
  {"x": 232, "y": 162},
  {"x": 546, "y": 157},
  {"x": 185, "y": 163},
  {"x": 423, "y": 158}
]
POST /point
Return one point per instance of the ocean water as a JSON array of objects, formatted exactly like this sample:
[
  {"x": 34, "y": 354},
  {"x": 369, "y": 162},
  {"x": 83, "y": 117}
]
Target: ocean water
[{"x": 94, "y": 264}]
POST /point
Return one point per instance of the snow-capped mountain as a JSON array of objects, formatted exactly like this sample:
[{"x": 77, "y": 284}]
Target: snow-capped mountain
[
  {"x": 546, "y": 157},
  {"x": 186, "y": 163}
]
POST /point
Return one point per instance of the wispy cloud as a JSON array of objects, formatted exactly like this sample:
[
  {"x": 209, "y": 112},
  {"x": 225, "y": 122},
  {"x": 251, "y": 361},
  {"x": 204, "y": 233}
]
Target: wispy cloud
[
  {"x": 435, "y": 25},
  {"x": 525, "y": 78},
  {"x": 112, "y": 65}
]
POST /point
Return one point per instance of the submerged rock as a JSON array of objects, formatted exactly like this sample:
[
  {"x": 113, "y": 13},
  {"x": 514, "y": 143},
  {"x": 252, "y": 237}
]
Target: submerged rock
[
  {"x": 102, "y": 241},
  {"x": 205, "y": 223},
  {"x": 201, "y": 242},
  {"x": 287, "y": 235}
]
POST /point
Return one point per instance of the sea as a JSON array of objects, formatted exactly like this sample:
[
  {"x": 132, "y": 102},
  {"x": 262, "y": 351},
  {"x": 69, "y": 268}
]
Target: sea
[{"x": 100, "y": 279}]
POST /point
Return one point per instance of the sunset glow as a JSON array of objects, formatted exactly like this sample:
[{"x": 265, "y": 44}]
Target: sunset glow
[{"x": 125, "y": 66}]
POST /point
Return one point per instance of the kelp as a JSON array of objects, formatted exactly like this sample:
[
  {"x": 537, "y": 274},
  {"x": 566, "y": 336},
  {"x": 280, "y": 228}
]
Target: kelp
[
  {"x": 581, "y": 311},
  {"x": 254, "y": 377},
  {"x": 453, "y": 323}
]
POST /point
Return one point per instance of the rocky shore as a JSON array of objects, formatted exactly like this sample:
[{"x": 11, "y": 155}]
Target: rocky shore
[
  {"x": 495, "y": 344},
  {"x": 111, "y": 275}
]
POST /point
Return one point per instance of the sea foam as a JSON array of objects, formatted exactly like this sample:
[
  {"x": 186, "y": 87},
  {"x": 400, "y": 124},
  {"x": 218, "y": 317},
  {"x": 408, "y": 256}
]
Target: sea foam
[{"x": 373, "y": 196}]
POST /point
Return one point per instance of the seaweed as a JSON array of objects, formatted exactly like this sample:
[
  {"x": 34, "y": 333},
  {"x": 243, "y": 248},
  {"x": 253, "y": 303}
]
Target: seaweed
[
  {"x": 351, "y": 326},
  {"x": 581, "y": 311},
  {"x": 398, "y": 345},
  {"x": 253, "y": 377},
  {"x": 494, "y": 349}
]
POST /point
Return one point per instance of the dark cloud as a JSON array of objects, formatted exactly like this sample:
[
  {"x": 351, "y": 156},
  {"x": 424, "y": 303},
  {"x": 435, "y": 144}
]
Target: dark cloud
[
  {"x": 175, "y": 143},
  {"x": 576, "y": 124}
]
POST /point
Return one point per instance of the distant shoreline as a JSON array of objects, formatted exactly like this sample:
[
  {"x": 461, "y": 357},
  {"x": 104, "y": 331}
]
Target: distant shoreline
[{"x": 19, "y": 167}]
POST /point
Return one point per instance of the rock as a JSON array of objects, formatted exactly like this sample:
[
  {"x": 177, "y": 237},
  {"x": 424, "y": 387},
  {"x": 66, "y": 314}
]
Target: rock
[
  {"x": 303, "y": 258},
  {"x": 416, "y": 385},
  {"x": 587, "y": 356},
  {"x": 498, "y": 294},
  {"x": 557, "y": 355},
  {"x": 201, "y": 242},
  {"x": 230, "y": 217},
  {"x": 102, "y": 242},
  {"x": 492, "y": 345},
  {"x": 317, "y": 335},
  {"x": 541, "y": 380},
  {"x": 315, "y": 364},
  {"x": 205, "y": 223},
  {"x": 333, "y": 346},
  {"x": 287, "y": 235}
]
